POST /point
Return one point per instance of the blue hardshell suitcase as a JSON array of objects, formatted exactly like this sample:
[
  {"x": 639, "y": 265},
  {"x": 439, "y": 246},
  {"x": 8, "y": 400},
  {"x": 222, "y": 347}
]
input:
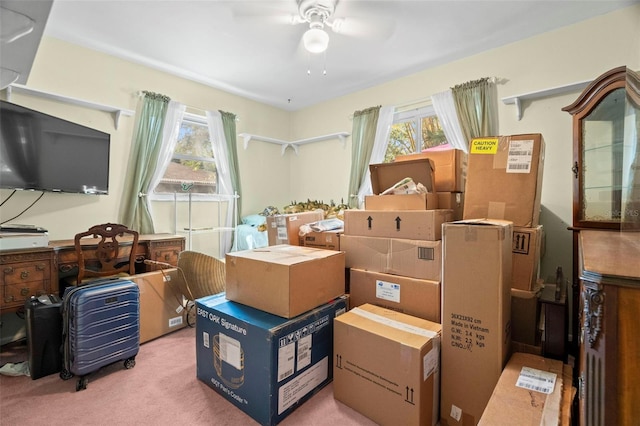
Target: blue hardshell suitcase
[{"x": 101, "y": 326}]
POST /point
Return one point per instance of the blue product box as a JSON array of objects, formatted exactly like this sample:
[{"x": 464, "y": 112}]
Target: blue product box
[{"x": 264, "y": 364}]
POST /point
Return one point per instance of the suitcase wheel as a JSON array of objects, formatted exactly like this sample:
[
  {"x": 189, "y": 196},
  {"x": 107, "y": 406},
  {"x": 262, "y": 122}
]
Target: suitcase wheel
[
  {"x": 81, "y": 384},
  {"x": 65, "y": 375},
  {"x": 129, "y": 363}
]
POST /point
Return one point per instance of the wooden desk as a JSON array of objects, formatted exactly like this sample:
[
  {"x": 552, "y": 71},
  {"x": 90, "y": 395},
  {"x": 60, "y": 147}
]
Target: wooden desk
[{"x": 35, "y": 271}]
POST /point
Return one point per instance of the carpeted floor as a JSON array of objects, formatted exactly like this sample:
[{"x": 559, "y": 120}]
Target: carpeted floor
[{"x": 162, "y": 389}]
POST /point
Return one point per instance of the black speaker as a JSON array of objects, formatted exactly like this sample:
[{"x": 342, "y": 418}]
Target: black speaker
[{"x": 44, "y": 334}]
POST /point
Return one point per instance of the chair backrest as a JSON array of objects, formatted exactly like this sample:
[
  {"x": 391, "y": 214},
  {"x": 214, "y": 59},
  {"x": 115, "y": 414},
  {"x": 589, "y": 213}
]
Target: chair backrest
[
  {"x": 115, "y": 251},
  {"x": 203, "y": 275}
]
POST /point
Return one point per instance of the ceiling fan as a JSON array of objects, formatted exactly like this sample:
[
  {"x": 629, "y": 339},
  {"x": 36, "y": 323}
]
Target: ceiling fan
[
  {"x": 367, "y": 20},
  {"x": 317, "y": 13}
]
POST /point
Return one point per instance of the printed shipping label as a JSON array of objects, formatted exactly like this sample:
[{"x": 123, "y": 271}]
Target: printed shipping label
[
  {"x": 388, "y": 291},
  {"x": 293, "y": 391},
  {"x": 520, "y": 156},
  {"x": 536, "y": 380}
]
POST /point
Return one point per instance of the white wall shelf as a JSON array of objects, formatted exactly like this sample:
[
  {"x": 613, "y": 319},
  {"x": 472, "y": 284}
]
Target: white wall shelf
[
  {"x": 517, "y": 100},
  {"x": 117, "y": 112},
  {"x": 294, "y": 145}
]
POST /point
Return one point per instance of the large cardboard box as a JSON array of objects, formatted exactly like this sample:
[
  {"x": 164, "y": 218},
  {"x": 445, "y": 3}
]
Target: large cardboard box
[
  {"x": 411, "y": 296},
  {"x": 504, "y": 179},
  {"x": 408, "y": 224},
  {"x": 411, "y": 258},
  {"x": 529, "y": 392},
  {"x": 264, "y": 364},
  {"x": 387, "y": 365},
  {"x": 453, "y": 201},
  {"x": 527, "y": 246},
  {"x": 285, "y": 280},
  {"x": 476, "y": 315},
  {"x": 449, "y": 168},
  {"x": 161, "y": 308},
  {"x": 386, "y": 175},
  {"x": 284, "y": 228},
  {"x": 329, "y": 240}
]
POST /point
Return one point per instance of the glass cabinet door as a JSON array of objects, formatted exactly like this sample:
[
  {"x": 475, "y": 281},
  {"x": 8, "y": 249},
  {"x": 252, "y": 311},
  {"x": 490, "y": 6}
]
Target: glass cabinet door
[{"x": 606, "y": 152}]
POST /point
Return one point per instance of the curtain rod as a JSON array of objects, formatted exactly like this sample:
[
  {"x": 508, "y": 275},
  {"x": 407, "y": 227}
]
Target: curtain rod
[
  {"x": 141, "y": 93},
  {"x": 427, "y": 100}
]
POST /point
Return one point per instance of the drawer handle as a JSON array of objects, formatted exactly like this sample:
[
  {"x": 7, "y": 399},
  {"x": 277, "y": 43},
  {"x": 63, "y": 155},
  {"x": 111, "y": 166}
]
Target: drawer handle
[
  {"x": 24, "y": 275},
  {"x": 24, "y": 291},
  {"x": 167, "y": 257},
  {"x": 66, "y": 267},
  {"x": 40, "y": 266}
]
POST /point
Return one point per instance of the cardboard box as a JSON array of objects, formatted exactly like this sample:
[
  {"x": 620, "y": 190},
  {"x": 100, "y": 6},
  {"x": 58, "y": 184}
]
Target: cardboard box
[
  {"x": 386, "y": 175},
  {"x": 387, "y": 365},
  {"x": 529, "y": 392},
  {"x": 161, "y": 310},
  {"x": 284, "y": 228},
  {"x": 504, "y": 179},
  {"x": 285, "y": 280},
  {"x": 450, "y": 166},
  {"x": 264, "y": 364},
  {"x": 407, "y": 224},
  {"x": 411, "y": 296},
  {"x": 453, "y": 201},
  {"x": 476, "y": 315},
  {"x": 329, "y": 240},
  {"x": 527, "y": 246},
  {"x": 401, "y": 202},
  {"x": 410, "y": 258},
  {"x": 525, "y": 314}
]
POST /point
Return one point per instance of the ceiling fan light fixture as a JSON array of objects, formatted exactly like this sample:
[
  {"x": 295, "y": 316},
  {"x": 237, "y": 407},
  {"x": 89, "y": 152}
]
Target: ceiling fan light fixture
[{"x": 315, "y": 40}]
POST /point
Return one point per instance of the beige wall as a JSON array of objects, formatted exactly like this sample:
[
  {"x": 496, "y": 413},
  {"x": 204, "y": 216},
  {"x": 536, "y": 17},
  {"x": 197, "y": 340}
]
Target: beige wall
[{"x": 321, "y": 170}]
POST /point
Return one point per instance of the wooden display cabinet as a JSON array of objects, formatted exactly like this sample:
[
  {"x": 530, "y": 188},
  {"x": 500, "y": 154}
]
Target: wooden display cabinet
[{"x": 606, "y": 212}]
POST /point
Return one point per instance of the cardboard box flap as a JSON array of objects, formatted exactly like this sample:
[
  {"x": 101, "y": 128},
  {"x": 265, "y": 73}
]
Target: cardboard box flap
[
  {"x": 482, "y": 221},
  {"x": 411, "y": 331},
  {"x": 285, "y": 254},
  {"x": 385, "y": 175}
]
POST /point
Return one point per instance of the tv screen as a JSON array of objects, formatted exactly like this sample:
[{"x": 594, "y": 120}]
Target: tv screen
[{"x": 46, "y": 153}]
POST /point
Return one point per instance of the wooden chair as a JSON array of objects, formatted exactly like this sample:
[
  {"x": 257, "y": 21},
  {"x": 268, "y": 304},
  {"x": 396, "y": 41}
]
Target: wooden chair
[
  {"x": 115, "y": 252},
  {"x": 199, "y": 275}
]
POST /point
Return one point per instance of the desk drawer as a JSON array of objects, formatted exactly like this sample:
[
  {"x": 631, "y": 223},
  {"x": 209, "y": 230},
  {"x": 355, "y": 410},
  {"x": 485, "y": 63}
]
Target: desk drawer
[
  {"x": 166, "y": 251},
  {"x": 23, "y": 275}
]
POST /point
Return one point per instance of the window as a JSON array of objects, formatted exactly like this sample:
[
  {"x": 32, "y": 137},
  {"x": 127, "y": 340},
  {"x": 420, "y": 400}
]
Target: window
[
  {"x": 414, "y": 131},
  {"x": 192, "y": 168}
]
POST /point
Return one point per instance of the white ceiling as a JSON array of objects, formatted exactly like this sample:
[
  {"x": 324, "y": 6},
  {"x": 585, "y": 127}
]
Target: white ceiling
[{"x": 248, "y": 47}]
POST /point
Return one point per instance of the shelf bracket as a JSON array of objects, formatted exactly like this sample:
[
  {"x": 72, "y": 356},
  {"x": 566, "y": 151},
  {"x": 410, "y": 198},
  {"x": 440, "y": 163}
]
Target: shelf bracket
[{"x": 117, "y": 112}]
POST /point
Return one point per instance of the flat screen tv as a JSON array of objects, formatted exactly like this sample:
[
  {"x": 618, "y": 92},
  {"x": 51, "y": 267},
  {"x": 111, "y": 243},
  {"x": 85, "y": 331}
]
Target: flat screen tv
[{"x": 46, "y": 153}]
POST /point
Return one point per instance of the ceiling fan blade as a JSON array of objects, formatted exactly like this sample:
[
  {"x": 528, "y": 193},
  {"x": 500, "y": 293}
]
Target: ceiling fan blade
[{"x": 377, "y": 29}]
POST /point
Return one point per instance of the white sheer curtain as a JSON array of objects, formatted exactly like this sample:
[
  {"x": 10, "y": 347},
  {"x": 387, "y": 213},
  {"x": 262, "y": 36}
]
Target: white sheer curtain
[
  {"x": 445, "y": 108},
  {"x": 385, "y": 120},
  {"x": 225, "y": 187},
  {"x": 172, "y": 123}
]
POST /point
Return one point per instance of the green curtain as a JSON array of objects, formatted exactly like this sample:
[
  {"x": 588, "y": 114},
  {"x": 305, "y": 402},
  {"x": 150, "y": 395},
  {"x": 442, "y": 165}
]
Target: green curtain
[
  {"x": 146, "y": 144},
  {"x": 362, "y": 139},
  {"x": 477, "y": 109},
  {"x": 229, "y": 127}
]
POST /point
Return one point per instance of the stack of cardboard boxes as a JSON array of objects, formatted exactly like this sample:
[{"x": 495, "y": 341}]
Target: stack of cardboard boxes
[
  {"x": 502, "y": 202},
  {"x": 266, "y": 345},
  {"x": 388, "y": 345},
  {"x": 430, "y": 292}
]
